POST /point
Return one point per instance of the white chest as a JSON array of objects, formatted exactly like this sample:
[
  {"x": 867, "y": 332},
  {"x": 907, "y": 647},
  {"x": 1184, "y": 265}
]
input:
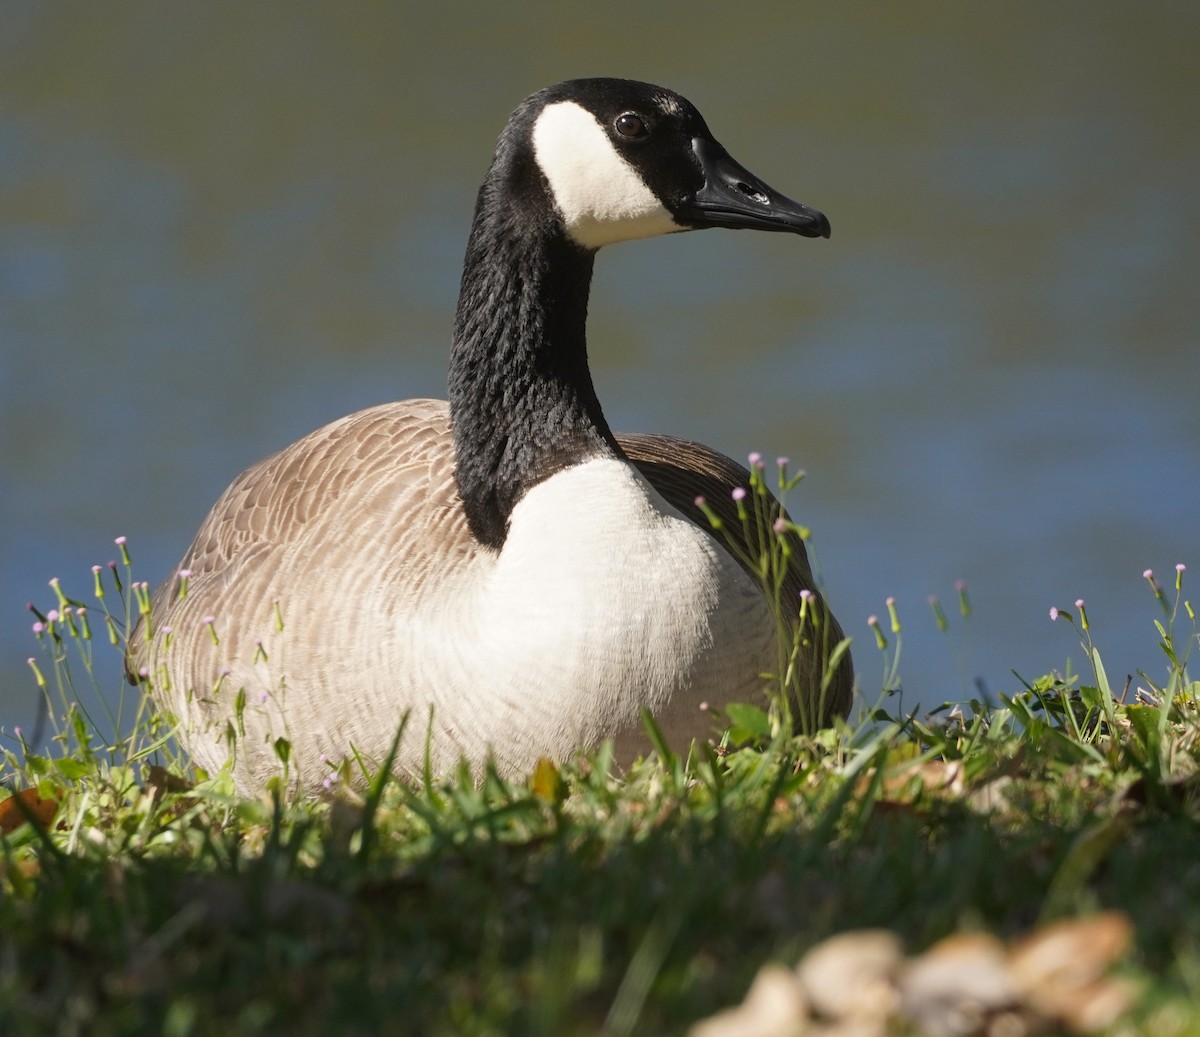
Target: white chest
[{"x": 605, "y": 601}]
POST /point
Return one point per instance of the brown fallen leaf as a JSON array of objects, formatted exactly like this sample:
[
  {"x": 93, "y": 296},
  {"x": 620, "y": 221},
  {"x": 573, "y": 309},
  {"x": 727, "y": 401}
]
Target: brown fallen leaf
[
  {"x": 860, "y": 984},
  {"x": 1061, "y": 970},
  {"x": 162, "y": 780},
  {"x": 908, "y": 782},
  {"x": 24, "y": 805},
  {"x": 959, "y": 985},
  {"x": 853, "y": 975},
  {"x": 774, "y": 1007}
]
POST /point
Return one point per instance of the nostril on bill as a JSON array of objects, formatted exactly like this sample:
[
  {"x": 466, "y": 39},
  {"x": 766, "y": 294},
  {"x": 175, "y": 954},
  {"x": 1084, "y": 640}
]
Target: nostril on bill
[{"x": 751, "y": 193}]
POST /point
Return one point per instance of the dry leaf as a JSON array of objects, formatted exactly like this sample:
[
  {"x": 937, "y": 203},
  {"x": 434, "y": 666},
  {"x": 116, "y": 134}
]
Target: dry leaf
[
  {"x": 907, "y": 782},
  {"x": 992, "y": 796},
  {"x": 774, "y": 1007},
  {"x": 859, "y": 984},
  {"x": 959, "y": 985},
  {"x": 852, "y": 975},
  {"x": 1060, "y": 970},
  {"x": 161, "y": 780},
  {"x": 37, "y": 807}
]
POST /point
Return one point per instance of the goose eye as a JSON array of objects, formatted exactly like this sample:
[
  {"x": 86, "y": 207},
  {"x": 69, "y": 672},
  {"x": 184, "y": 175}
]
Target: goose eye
[{"x": 631, "y": 126}]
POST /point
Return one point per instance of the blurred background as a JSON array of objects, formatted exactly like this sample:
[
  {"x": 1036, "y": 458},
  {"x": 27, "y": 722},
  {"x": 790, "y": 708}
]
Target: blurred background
[{"x": 223, "y": 225}]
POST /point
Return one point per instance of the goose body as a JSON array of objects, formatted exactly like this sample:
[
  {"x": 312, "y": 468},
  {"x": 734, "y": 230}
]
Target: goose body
[{"x": 501, "y": 569}]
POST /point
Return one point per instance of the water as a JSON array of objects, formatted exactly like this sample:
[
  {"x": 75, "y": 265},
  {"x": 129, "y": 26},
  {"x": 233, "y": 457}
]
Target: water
[{"x": 221, "y": 228}]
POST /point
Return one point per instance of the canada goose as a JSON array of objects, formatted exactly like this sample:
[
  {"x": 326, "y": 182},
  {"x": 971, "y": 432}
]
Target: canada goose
[{"x": 502, "y": 569}]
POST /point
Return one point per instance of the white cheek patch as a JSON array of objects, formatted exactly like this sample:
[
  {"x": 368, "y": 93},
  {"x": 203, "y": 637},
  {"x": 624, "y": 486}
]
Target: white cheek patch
[{"x": 601, "y": 197}]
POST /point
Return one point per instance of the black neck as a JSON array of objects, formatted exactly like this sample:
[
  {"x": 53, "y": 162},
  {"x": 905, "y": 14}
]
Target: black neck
[{"x": 522, "y": 402}]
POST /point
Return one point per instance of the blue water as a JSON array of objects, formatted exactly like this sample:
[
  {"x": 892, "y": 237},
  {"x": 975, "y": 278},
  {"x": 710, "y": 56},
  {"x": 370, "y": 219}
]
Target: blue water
[{"x": 217, "y": 234}]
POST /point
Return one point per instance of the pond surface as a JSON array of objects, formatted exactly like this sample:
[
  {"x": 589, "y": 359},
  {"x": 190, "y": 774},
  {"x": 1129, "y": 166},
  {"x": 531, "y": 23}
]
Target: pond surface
[{"x": 221, "y": 227}]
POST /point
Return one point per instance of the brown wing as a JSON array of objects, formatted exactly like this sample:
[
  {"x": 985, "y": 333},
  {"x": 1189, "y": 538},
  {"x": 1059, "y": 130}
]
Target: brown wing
[
  {"x": 326, "y": 495},
  {"x": 682, "y": 470}
]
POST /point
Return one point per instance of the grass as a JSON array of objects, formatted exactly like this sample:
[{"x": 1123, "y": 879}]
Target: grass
[{"x": 137, "y": 896}]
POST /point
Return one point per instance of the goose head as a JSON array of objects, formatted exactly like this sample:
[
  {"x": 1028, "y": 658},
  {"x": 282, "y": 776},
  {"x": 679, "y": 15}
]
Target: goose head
[
  {"x": 622, "y": 160},
  {"x": 580, "y": 165}
]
